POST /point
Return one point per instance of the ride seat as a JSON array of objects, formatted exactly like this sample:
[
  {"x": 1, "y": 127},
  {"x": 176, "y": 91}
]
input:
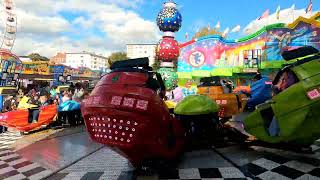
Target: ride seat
[{"x": 125, "y": 112}]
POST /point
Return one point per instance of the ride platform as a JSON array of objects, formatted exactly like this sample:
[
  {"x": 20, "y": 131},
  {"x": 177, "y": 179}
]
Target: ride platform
[{"x": 71, "y": 154}]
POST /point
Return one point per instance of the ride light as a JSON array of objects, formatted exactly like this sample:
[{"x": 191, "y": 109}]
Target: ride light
[
  {"x": 109, "y": 119},
  {"x": 110, "y": 131},
  {"x": 128, "y": 140},
  {"x": 104, "y": 125},
  {"x": 120, "y": 127},
  {"x": 116, "y": 138},
  {"x": 116, "y": 132},
  {"x": 105, "y": 136},
  {"x": 99, "y": 124},
  {"x": 103, "y": 119},
  {"x": 98, "y": 119},
  {"x": 110, "y": 137},
  {"x": 135, "y": 123},
  {"x": 114, "y": 120},
  {"x": 121, "y": 139},
  {"x": 133, "y": 129},
  {"x": 109, "y": 126},
  {"x": 128, "y": 122},
  {"x": 123, "y": 134},
  {"x": 114, "y": 126},
  {"x": 99, "y": 130},
  {"x": 121, "y": 121},
  {"x": 131, "y": 135},
  {"x": 127, "y": 128},
  {"x": 104, "y": 130},
  {"x": 101, "y": 136},
  {"x": 314, "y": 94}
]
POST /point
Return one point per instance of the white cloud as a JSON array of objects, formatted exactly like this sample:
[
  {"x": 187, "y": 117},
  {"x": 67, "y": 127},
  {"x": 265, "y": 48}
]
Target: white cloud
[
  {"x": 41, "y": 27},
  {"x": 33, "y": 23},
  {"x": 286, "y": 16},
  {"x": 61, "y": 44}
]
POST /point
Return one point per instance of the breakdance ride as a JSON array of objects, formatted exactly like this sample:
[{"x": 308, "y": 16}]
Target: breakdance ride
[{"x": 126, "y": 111}]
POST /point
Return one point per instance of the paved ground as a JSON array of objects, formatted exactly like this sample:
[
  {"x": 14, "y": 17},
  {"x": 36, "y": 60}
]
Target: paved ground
[{"x": 70, "y": 154}]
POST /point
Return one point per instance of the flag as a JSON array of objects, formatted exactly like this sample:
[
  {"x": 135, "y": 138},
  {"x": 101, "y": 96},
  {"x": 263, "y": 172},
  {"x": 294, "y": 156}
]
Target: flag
[
  {"x": 209, "y": 27},
  {"x": 293, "y": 7},
  {"x": 225, "y": 32},
  {"x": 218, "y": 25},
  {"x": 278, "y": 12},
  {"x": 265, "y": 14},
  {"x": 236, "y": 29},
  {"x": 309, "y": 8},
  {"x": 291, "y": 10},
  {"x": 187, "y": 35}
]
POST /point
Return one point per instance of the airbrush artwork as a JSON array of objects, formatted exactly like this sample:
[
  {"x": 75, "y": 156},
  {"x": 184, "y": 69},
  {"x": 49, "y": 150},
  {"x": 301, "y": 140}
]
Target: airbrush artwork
[{"x": 216, "y": 56}]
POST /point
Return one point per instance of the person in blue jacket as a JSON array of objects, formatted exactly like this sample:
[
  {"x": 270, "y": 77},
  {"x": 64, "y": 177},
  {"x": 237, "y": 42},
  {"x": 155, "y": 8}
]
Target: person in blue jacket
[{"x": 261, "y": 91}]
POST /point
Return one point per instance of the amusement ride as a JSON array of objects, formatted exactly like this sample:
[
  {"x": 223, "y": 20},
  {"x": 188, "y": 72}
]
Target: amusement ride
[
  {"x": 9, "y": 24},
  {"x": 127, "y": 110}
]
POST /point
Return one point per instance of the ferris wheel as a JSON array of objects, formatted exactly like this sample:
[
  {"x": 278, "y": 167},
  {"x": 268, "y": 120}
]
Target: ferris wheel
[{"x": 9, "y": 24}]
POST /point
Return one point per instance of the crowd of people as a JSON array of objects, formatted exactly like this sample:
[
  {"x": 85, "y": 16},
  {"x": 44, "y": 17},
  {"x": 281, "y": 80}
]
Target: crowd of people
[{"x": 40, "y": 96}]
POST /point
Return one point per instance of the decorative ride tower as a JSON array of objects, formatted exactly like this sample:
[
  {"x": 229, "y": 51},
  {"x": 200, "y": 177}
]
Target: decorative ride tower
[{"x": 169, "y": 21}]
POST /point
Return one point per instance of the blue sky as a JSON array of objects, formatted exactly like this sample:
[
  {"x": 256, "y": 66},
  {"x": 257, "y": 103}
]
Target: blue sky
[{"x": 229, "y": 12}]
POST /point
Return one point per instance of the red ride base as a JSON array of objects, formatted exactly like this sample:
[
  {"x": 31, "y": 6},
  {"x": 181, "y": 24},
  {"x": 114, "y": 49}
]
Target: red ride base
[
  {"x": 132, "y": 119},
  {"x": 19, "y": 119}
]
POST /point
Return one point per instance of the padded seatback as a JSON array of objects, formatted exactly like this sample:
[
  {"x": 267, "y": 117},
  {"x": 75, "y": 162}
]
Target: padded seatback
[{"x": 121, "y": 110}]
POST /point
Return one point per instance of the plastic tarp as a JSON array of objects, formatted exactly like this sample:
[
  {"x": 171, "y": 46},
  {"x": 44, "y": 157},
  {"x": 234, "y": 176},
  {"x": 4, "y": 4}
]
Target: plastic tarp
[
  {"x": 69, "y": 106},
  {"x": 196, "y": 105}
]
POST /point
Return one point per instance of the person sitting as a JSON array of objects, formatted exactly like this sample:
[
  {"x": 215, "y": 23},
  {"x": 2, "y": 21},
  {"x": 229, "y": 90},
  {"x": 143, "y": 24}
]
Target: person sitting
[
  {"x": 7, "y": 105},
  {"x": 43, "y": 101},
  {"x": 260, "y": 91},
  {"x": 286, "y": 80}
]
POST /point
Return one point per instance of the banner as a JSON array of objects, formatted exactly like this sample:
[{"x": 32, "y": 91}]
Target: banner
[
  {"x": 57, "y": 72},
  {"x": 36, "y": 68}
]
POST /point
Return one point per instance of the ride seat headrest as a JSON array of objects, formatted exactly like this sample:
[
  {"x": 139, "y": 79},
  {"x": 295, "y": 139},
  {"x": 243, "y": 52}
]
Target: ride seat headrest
[{"x": 299, "y": 52}]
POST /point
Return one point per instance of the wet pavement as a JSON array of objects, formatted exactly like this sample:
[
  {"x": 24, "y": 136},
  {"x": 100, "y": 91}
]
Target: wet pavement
[
  {"x": 56, "y": 153},
  {"x": 71, "y": 154}
]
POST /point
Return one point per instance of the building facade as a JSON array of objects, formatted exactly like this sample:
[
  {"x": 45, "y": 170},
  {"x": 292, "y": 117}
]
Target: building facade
[
  {"x": 86, "y": 59},
  {"x": 60, "y": 58},
  {"x": 142, "y": 50}
]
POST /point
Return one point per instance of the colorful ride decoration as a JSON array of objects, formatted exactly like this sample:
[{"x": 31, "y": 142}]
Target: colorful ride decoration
[
  {"x": 168, "y": 50},
  {"x": 10, "y": 68},
  {"x": 216, "y": 56},
  {"x": 45, "y": 68},
  {"x": 169, "y": 76},
  {"x": 169, "y": 21},
  {"x": 169, "y": 18}
]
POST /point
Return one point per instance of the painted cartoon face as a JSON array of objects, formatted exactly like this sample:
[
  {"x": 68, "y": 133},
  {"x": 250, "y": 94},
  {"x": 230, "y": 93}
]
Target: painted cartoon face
[{"x": 188, "y": 84}]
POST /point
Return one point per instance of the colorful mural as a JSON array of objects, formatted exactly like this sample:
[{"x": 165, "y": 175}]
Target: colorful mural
[
  {"x": 216, "y": 56},
  {"x": 10, "y": 68}
]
